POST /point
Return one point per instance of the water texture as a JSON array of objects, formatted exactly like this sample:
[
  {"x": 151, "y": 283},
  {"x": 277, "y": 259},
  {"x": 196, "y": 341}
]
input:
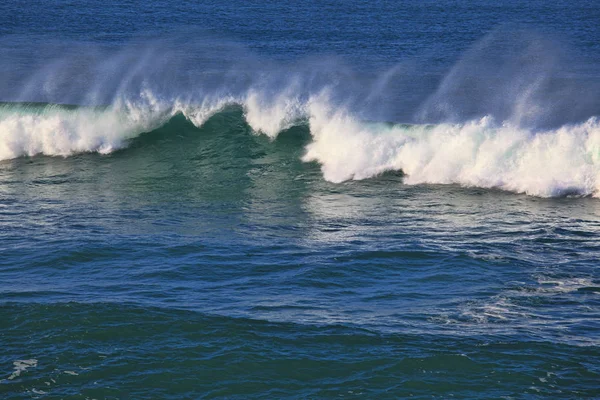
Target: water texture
[{"x": 326, "y": 200}]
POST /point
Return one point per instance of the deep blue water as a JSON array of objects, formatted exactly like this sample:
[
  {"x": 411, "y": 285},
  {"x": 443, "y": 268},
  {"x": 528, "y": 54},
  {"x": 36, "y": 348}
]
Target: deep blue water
[{"x": 321, "y": 200}]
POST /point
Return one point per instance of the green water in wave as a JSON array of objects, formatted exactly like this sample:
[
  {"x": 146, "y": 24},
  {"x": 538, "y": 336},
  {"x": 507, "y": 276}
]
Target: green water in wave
[{"x": 212, "y": 262}]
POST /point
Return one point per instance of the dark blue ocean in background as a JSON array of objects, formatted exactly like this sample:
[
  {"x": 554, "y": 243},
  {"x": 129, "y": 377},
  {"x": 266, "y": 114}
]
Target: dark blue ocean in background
[{"x": 307, "y": 200}]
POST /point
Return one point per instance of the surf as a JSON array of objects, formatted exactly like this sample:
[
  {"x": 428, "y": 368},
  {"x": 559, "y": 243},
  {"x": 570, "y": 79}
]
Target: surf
[
  {"x": 482, "y": 130},
  {"x": 478, "y": 153}
]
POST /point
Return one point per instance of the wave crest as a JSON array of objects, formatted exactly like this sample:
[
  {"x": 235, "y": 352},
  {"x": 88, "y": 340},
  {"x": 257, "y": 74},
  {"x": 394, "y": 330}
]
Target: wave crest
[{"x": 479, "y": 153}]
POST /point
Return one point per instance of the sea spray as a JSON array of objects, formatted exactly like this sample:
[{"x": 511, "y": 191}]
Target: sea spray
[
  {"x": 476, "y": 129},
  {"x": 479, "y": 153}
]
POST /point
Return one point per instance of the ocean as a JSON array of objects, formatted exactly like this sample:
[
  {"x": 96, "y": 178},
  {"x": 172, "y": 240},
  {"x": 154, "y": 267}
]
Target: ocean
[{"x": 264, "y": 200}]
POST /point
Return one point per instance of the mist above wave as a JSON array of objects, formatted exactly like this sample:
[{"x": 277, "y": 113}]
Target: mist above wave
[{"x": 509, "y": 115}]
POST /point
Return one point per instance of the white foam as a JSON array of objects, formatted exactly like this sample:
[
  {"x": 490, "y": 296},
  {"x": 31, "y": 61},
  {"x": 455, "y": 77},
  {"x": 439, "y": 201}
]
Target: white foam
[
  {"x": 479, "y": 153},
  {"x": 59, "y": 131},
  {"x": 567, "y": 285},
  {"x": 198, "y": 114},
  {"x": 272, "y": 115},
  {"x": 73, "y": 373},
  {"x": 21, "y": 366}
]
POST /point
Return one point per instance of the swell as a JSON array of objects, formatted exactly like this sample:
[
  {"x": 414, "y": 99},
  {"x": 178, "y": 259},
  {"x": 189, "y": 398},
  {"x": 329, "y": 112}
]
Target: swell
[
  {"x": 516, "y": 112},
  {"x": 316, "y": 361},
  {"x": 479, "y": 153}
]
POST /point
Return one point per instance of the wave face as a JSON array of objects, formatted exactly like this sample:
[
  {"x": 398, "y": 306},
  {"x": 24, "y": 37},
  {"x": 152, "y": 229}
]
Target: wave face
[
  {"x": 480, "y": 153},
  {"x": 512, "y": 131},
  {"x": 56, "y": 130}
]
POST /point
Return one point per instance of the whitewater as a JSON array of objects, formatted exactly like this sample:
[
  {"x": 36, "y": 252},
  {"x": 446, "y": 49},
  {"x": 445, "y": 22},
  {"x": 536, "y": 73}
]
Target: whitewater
[
  {"x": 479, "y": 153},
  {"x": 250, "y": 199},
  {"x": 519, "y": 124}
]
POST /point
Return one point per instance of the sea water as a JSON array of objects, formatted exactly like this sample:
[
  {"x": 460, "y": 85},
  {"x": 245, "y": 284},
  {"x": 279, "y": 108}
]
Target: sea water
[{"x": 317, "y": 200}]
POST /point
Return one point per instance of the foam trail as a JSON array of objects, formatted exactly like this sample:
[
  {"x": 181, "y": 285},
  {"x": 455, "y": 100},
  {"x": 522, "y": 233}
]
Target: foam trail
[
  {"x": 481, "y": 153},
  {"x": 21, "y": 366}
]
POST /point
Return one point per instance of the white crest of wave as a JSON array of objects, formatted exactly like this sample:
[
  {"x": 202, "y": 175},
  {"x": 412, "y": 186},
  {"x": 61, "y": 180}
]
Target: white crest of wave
[
  {"x": 478, "y": 153},
  {"x": 61, "y": 131},
  {"x": 198, "y": 114},
  {"x": 271, "y": 115},
  {"x": 54, "y": 130}
]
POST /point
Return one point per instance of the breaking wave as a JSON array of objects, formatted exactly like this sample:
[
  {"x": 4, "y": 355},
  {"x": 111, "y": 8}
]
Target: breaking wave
[
  {"x": 480, "y": 152},
  {"x": 522, "y": 145}
]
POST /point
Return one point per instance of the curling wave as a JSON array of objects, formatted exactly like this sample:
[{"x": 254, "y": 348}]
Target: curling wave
[
  {"x": 530, "y": 129},
  {"x": 480, "y": 152}
]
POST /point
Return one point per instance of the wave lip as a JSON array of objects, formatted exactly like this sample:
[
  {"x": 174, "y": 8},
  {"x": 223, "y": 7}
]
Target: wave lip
[
  {"x": 478, "y": 153},
  {"x": 63, "y": 131}
]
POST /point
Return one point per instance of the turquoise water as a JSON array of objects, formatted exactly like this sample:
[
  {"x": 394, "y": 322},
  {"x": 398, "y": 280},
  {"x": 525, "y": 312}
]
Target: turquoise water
[{"x": 317, "y": 201}]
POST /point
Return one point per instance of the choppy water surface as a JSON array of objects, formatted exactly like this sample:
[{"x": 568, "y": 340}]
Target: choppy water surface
[{"x": 253, "y": 218}]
